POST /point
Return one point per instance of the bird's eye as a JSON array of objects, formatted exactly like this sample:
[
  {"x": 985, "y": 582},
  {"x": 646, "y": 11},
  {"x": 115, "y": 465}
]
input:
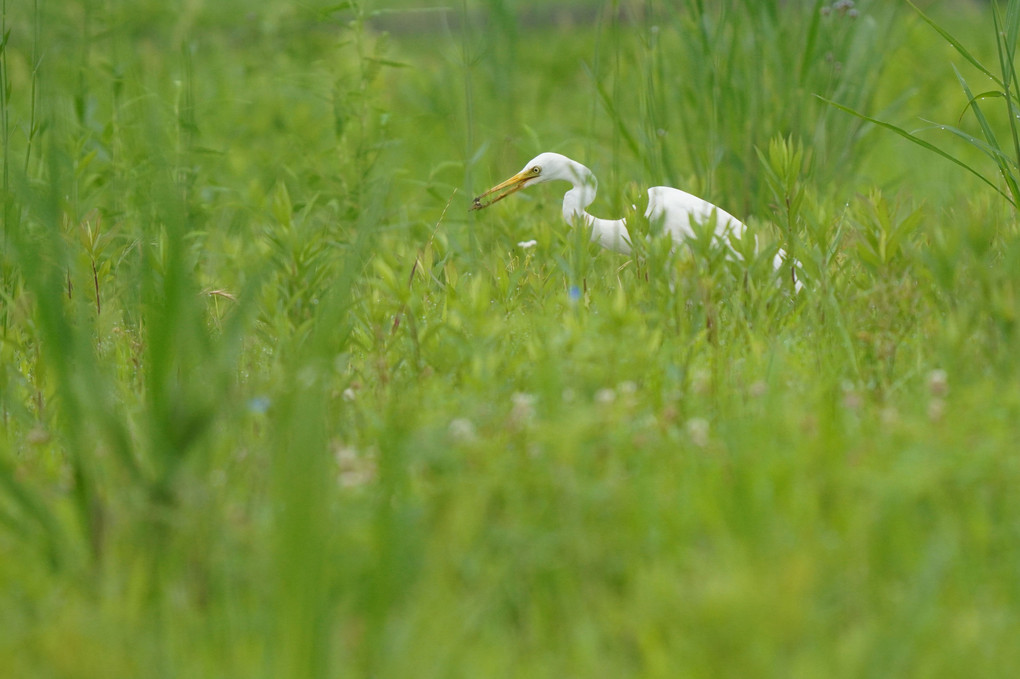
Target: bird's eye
[{"x": 536, "y": 170}]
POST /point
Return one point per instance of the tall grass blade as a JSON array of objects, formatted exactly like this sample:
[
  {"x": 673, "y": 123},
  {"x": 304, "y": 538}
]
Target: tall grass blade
[
  {"x": 923, "y": 144},
  {"x": 313, "y": 432},
  {"x": 35, "y": 522},
  {"x": 957, "y": 45},
  {"x": 1006, "y": 45},
  {"x": 808, "y": 55},
  {"x": 993, "y": 142},
  {"x": 1012, "y": 29},
  {"x": 619, "y": 123},
  {"x": 994, "y": 153}
]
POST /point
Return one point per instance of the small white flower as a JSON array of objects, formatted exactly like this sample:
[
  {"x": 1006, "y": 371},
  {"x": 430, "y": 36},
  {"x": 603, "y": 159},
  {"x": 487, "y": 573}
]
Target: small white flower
[
  {"x": 627, "y": 391},
  {"x": 354, "y": 468},
  {"x": 938, "y": 383},
  {"x": 523, "y": 407},
  {"x": 462, "y": 430},
  {"x": 349, "y": 394},
  {"x": 701, "y": 380},
  {"x": 521, "y": 398},
  {"x": 38, "y": 436},
  {"x": 345, "y": 455},
  {"x": 527, "y": 244},
  {"x": 605, "y": 396},
  {"x": 852, "y": 400},
  {"x": 889, "y": 415},
  {"x": 697, "y": 429},
  {"x": 851, "y": 397}
]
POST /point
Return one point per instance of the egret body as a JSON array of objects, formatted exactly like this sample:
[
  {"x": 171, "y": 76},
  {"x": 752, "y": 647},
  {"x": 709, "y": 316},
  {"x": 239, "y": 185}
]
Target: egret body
[{"x": 671, "y": 208}]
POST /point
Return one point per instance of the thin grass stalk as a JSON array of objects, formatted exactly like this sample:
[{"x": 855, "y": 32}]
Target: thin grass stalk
[
  {"x": 992, "y": 141},
  {"x": 1007, "y": 60},
  {"x": 1005, "y": 34},
  {"x": 810, "y": 40},
  {"x": 65, "y": 354},
  {"x": 923, "y": 144},
  {"x": 996, "y": 154},
  {"x": 621, "y": 131},
  {"x": 658, "y": 109},
  {"x": 36, "y": 522},
  {"x": 956, "y": 44},
  {"x": 5, "y": 136},
  {"x": 33, "y": 100},
  {"x": 7, "y": 216},
  {"x": 467, "y": 84},
  {"x": 5, "y": 129}
]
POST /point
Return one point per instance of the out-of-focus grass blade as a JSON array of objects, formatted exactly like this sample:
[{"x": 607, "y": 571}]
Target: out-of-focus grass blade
[
  {"x": 809, "y": 43},
  {"x": 1013, "y": 21},
  {"x": 978, "y": 113},
  {"x": 993, "y": 152},
  {"x": 923, "y": 144},
  {"x": 1006, "y": 44},
  {"x": 993, "y": 142},
  {"x": 990, "y": 94},
  {"x": 607, "y": 101},
  {"x": 1010, "y": 30},
  {"x": 32, "y": 505},
  {"x": 957, "y": 45}
]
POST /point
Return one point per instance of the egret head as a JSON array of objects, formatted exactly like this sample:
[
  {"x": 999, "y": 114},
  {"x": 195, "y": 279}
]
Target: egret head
[{"x": 544, "y": 167}]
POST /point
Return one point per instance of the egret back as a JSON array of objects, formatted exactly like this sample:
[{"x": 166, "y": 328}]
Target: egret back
[
  {"x": 674, "y": 210},
  {"x": 611, "y": 234}
]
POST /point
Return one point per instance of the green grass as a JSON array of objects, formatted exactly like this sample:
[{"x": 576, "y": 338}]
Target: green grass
[{"x": 274, "y": 403}]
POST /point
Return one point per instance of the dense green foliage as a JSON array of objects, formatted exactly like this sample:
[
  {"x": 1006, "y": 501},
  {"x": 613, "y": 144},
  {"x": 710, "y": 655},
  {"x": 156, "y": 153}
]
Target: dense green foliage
[{"x": 274, "y": 403}]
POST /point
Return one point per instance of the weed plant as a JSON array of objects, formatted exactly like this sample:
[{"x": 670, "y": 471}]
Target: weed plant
[{"x": 274, "y": 403}]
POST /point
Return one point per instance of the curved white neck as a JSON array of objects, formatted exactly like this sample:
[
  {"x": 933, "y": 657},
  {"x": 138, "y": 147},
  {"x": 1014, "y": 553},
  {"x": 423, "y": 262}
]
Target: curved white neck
[
  {"x": 581, "y": 196},
  {"x": 609, "y": 233}
]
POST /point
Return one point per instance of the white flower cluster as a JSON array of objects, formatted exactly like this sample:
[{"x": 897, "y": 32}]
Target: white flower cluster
[{"x": 842, "y": 7}]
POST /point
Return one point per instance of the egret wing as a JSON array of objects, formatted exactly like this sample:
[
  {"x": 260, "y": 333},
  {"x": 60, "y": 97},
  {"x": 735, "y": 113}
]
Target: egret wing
[{"x": 674, "y": 210}]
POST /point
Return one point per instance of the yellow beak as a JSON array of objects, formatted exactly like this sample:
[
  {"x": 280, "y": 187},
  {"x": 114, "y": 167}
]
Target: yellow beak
[{"x": 515, "y": 183}]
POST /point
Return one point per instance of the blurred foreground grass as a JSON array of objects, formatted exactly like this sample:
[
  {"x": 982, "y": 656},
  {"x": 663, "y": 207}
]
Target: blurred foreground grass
[{"x": 274, "y": 404}]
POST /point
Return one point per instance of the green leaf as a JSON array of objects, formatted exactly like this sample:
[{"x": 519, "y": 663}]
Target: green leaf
[
  {"x": 338, "y": 7},
  {"x": 388, "y": 62},
  {"x": 617, "y": 119},
  {"x": 1006, "y": 45},
  {"x": 993, "y": 142},
  {"x": 995, "y": 154},
  {"x": 923, "y": 144},
  {"x": 957, "y": 45},
  {"x": 282, "y": 208},
  {"x": 990, "y": 94}
]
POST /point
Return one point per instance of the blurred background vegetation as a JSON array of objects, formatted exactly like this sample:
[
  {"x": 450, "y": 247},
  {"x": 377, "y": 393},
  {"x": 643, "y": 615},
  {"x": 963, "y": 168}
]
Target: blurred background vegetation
[{"x": 274, "y": 403}]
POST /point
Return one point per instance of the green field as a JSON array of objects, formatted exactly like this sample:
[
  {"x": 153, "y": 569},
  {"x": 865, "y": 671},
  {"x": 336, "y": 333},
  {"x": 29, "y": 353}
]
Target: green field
[{"x": 276, "y": 404}]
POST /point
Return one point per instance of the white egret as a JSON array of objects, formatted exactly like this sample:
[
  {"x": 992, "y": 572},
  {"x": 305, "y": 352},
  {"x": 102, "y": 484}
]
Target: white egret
[{"x": 671, "y": 208}]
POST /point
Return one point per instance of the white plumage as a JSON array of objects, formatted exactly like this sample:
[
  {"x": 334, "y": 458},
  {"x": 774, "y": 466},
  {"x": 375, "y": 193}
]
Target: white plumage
[{"x": 671, "y": 208}]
